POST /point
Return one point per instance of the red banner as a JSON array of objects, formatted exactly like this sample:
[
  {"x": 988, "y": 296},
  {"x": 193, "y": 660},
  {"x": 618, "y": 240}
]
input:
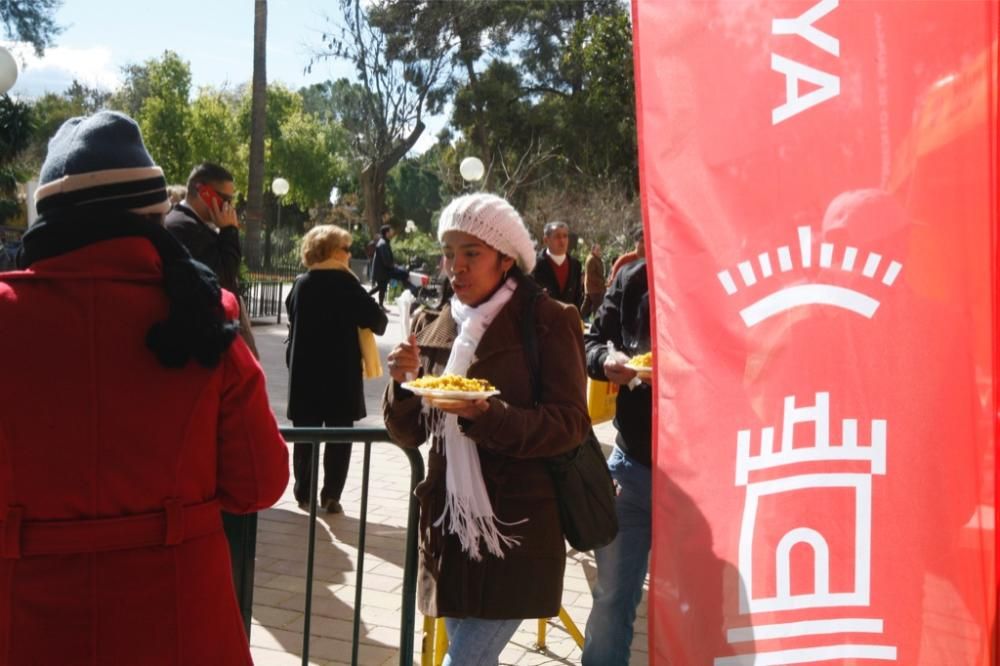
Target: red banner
[{"x": 818, "y": 188}]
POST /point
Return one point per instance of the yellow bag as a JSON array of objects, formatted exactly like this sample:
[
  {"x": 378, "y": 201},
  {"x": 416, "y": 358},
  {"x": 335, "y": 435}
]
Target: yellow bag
[{"x": 601, "y": 397}]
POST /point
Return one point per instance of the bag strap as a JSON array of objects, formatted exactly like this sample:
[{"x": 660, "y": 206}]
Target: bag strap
[{"x": 529, "y": 337}]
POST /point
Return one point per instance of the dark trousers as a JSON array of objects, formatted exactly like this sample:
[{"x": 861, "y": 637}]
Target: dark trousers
[
  {"x": 381, "y": 287},
  {"x": 336, "y": 462},
  {"x": 591, "y": 302}
]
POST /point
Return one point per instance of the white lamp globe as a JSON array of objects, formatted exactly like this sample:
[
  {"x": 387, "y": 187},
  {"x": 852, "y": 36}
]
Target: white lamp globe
[
  {"x": 334, "y": 195},
  {"x": 8, "y": 71},
  {"x": 279, "y": 186},
  {"x": 471, "y": 168}
]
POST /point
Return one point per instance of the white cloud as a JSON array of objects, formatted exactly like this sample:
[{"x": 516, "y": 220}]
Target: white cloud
[{"x": 56, "y": 70}]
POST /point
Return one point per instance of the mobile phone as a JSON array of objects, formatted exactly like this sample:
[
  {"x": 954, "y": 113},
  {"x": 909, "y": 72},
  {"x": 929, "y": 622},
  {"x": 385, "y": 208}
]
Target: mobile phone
[{"x": 208, "y": 195}]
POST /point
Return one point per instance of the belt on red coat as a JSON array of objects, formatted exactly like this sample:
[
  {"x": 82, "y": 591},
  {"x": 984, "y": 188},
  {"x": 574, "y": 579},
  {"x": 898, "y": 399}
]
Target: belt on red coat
[{"x": 174, "y": 525}]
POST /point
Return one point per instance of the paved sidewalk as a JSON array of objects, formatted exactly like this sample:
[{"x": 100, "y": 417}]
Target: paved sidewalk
[{"x": 279, "y": 599}]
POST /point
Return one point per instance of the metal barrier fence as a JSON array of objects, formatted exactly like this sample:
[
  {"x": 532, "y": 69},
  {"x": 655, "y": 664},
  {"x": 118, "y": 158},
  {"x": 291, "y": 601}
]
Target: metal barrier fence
[
  {"x": 264, "y": 299},
  {"x": 336, "y": 436}
]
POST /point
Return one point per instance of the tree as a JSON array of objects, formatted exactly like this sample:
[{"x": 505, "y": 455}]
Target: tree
[
  {"x": 598, "y": 57},
  {"x": 49, "y": 111},
  {"x": 414, "y": 193},
  {"x": 15, "y": 136},
  {"x": 524, "y": 114},
  {"x": 30, "y": 21},
  {"x": 309, "y": 156},
  {"x": 396, "y": 93},
  {"x": 255, "y": 181},
  {"x": 165, "y": 114},
  {"x": 215, "y": 134},
  {"x": 460, "y": 32}
]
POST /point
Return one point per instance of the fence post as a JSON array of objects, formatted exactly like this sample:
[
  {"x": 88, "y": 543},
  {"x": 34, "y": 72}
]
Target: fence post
[{"x": 281, "y": 301}]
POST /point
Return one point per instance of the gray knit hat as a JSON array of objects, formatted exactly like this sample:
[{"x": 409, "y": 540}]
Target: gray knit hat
[
  {"x": 492, "y": 220},
  {"x": 100, "y": 161}
]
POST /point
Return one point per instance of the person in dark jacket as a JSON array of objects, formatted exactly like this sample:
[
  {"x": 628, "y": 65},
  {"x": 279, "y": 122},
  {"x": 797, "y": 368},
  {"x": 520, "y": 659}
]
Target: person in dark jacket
[
  {"x": 623, "y": 320},
  {"x": 205, "y": 223},
  {"x": 331, "y": 345},
  {"x": 496, "y": 554},
  {"x": 383, "y": 264},
  {"x": 558, "y": 273}
]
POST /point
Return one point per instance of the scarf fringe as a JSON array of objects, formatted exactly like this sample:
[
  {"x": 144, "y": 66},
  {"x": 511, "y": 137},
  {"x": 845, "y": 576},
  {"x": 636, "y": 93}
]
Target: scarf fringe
[{"x": 458, "y": 518}]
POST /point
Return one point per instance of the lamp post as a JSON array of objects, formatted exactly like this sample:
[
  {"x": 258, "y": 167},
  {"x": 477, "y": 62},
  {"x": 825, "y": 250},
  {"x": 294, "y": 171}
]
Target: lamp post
[
  {"x": 471, "y": 169},
  {"x": 8, "y": 71},
  {"x": 279, "y": 186}
]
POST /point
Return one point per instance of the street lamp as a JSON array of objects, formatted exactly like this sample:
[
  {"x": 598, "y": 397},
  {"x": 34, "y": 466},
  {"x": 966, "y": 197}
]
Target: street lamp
[
  {"x": 280, "y": 188},
  {"x": 334, "y": 195},
  {"x": 8, "y": 71},
  {"x": 471, "y": 169}
]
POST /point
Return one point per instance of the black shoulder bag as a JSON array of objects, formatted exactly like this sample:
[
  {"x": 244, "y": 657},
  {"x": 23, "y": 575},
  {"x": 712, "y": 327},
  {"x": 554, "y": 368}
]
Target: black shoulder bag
[{"x": 585, "y": 491}]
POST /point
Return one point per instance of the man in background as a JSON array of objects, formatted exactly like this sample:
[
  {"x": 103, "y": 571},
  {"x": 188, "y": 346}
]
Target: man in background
[
  {"x": 593, "y": 281},
  {"x": 556, "y": 271},
  {"x": 623, "y": 320},
  {"x": 384, "y": 265},
  {"x": 205, "y": 223}
]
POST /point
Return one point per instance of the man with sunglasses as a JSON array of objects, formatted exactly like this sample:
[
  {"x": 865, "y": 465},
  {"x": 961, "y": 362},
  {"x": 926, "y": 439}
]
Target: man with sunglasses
[
  {"x": 209, "y": 201},
  {"x": 205, "y": 223}
]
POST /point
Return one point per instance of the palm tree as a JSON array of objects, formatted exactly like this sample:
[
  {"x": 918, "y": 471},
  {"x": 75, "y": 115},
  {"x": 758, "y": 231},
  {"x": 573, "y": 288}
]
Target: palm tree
[{"x": 258, "y": 110}]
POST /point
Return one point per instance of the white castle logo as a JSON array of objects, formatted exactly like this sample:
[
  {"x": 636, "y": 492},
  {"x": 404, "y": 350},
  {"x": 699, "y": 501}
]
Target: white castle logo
[
  {"x": 813, "y": 293},
  {"x": 773, "y": 553}
]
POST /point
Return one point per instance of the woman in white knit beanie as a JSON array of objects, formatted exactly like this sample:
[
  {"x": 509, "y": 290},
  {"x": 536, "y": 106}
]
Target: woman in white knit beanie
[{"x": 492, "y": 550}]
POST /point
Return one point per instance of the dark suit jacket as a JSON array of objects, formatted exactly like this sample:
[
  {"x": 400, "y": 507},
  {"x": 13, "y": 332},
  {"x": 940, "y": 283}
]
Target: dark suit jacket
[
  {"x": 383, "y": 262},
  {"x": 544, "y": 276},
  {"x": 220, "y": 250}
]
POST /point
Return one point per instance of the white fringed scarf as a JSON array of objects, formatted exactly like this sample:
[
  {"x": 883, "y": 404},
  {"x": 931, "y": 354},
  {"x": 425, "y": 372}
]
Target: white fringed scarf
[{"x": 467, "y": 511}]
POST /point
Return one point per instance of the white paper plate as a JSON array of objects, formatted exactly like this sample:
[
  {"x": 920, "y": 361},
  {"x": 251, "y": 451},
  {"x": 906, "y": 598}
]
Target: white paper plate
[{"x": 449, "y": 395}]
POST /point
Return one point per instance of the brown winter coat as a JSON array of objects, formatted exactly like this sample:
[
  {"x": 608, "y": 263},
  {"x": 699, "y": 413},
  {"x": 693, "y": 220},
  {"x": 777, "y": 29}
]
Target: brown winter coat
[
  {"x": 593, "y": 279},
  {"x": 513, "y": 439}
]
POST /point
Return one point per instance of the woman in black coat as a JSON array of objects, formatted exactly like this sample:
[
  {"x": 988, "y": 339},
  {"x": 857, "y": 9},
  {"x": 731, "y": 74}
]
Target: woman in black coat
[{"x": 331, "y": 346}]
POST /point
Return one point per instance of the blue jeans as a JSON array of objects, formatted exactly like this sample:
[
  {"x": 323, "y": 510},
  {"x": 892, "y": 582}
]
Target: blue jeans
[
  {"x": 621, "y": 566},
  {"x": 475, "y": 642}
]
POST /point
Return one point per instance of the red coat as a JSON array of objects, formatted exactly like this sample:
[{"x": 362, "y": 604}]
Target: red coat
[{"x": 93, "y": 430}]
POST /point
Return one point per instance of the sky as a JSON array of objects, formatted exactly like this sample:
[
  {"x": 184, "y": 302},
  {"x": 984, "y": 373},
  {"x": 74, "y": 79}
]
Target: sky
[{"x": 214, "y": 36}]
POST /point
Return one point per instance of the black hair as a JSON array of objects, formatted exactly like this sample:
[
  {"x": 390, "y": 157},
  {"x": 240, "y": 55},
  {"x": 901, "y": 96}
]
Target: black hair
[
  {"x": 206, "y": 173},
  {"x": 385, "y": 229},
  {"x": 523, "y": 279}
]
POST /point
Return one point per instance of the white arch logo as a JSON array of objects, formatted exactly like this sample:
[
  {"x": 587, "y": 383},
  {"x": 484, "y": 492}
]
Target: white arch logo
[{"x": 812, "y": 293}]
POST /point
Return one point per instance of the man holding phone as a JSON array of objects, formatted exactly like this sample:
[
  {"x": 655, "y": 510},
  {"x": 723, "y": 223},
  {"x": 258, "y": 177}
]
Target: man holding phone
[
  {"x": 209, "y": 200},
  {"x": 205, "y": 223}
]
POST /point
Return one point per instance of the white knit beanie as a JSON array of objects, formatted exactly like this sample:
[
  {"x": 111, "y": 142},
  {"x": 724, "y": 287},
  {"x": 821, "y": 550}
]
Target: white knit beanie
[{"x": 492, "y": 220}]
